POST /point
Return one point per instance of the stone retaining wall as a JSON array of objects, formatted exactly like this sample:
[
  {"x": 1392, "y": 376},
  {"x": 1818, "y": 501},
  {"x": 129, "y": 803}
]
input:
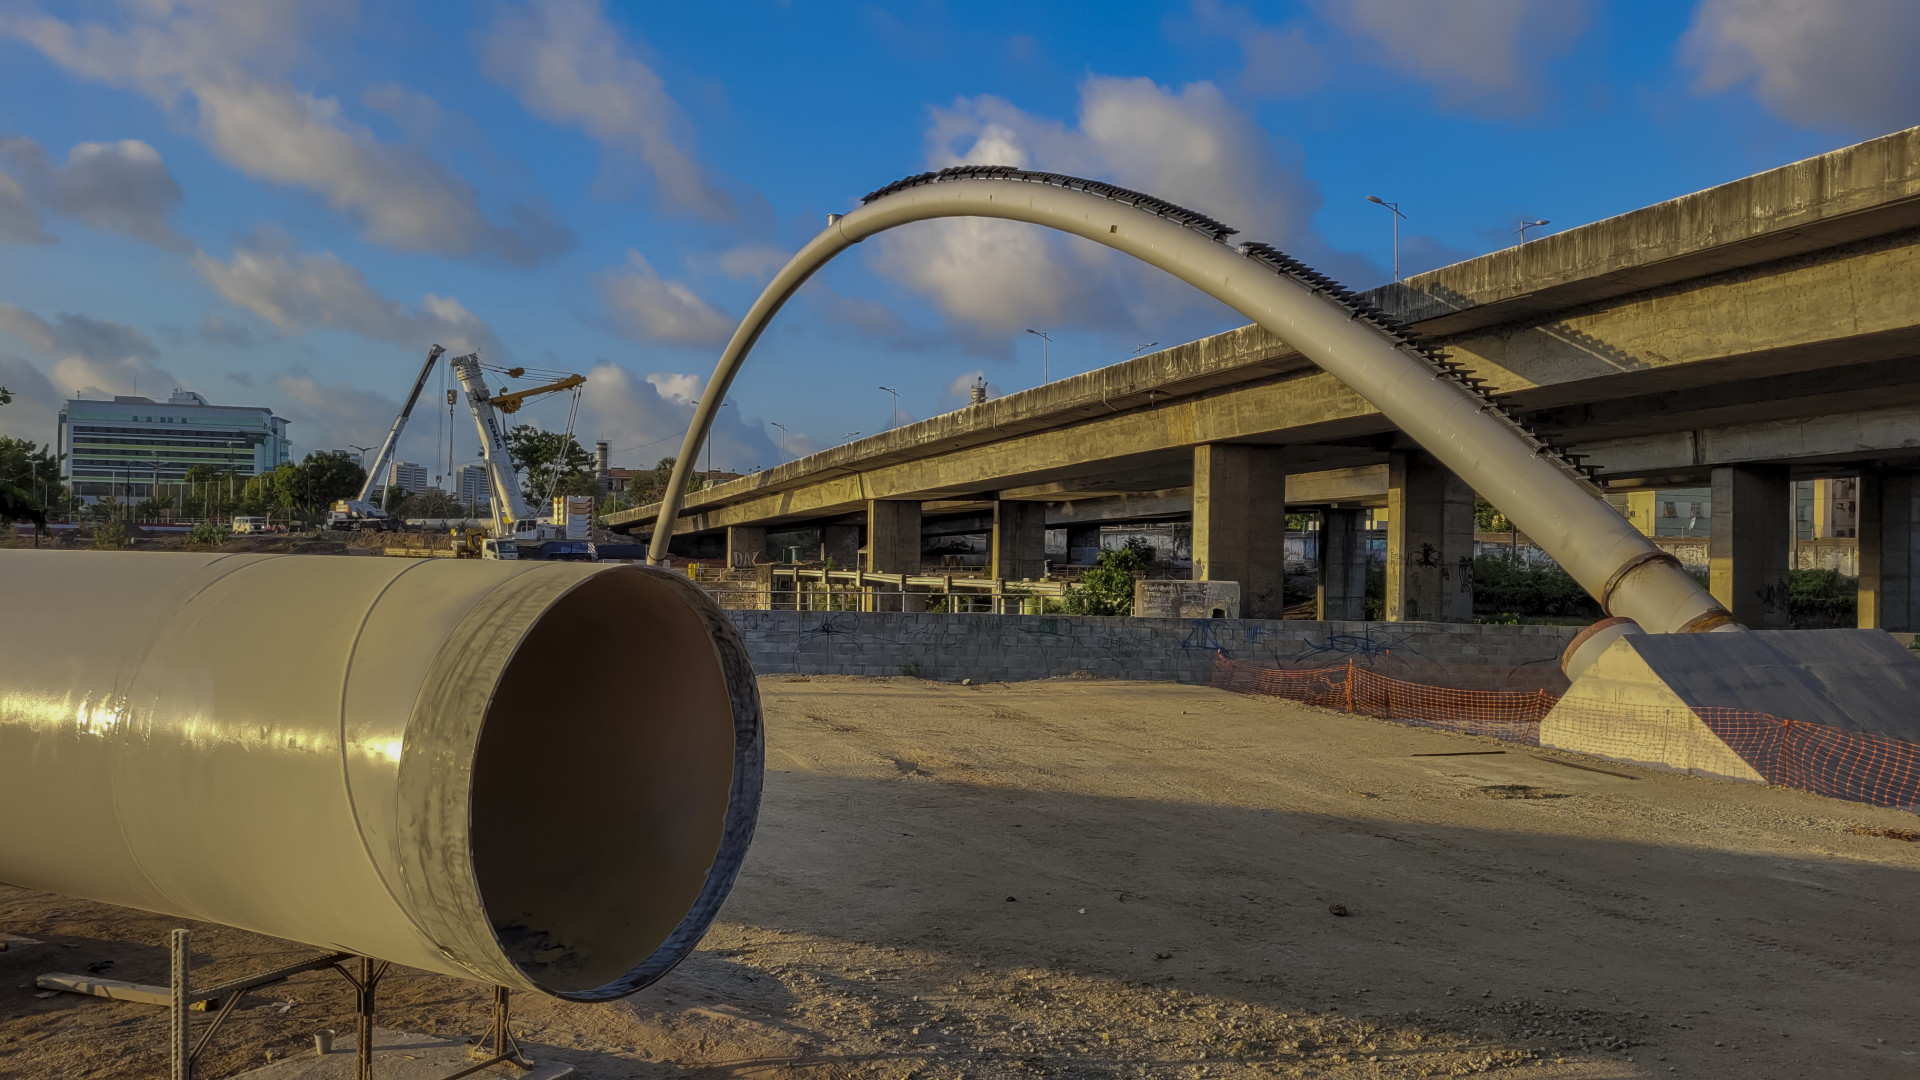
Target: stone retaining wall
[{"x": 1013, "y": 648}]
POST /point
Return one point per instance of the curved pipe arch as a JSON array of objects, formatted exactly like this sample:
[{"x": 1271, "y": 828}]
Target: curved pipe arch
[{"x": 1537, "y": 490}]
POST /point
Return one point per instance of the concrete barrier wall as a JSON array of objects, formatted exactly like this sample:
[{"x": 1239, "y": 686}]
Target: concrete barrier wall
[{"x": 1020, "y": 647}]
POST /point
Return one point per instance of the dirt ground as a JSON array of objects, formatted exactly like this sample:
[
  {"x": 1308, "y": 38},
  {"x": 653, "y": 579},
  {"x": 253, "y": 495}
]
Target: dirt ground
[{"x": 1091, "y": 879}]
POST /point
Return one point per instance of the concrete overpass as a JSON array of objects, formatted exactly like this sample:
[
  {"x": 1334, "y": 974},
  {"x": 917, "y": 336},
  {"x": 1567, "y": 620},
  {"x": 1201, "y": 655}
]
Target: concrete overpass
[{"x": 1744, "y": 336}]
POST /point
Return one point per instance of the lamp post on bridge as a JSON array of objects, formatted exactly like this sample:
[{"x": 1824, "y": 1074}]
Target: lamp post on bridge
[
  {"x": 783, "y": 442},
  {"x": 893, "y": 418},
  {"x": 1526, "y": 224},
  {"x": 1046, "y": 344},
  {"x": 1397, "y": 215}
]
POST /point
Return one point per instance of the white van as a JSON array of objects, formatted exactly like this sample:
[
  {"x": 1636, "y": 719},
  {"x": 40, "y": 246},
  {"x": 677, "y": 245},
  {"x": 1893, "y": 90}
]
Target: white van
[{"x": 249, "y": 524}]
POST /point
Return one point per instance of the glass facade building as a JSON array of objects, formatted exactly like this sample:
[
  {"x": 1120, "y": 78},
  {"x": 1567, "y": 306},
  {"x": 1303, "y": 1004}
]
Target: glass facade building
[{"x": 126, "y": 446}]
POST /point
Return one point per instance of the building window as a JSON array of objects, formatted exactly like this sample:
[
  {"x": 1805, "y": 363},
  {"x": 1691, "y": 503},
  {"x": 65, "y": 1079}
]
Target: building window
[{"x": 1668, "y": 510}]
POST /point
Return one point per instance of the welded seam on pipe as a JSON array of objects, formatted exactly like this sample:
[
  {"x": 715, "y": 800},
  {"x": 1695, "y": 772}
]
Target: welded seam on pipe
[{"x": 346, "y": 773}]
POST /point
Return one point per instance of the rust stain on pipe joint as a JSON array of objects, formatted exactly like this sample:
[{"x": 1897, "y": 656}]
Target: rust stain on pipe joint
[{"x": 441, "y": 763}]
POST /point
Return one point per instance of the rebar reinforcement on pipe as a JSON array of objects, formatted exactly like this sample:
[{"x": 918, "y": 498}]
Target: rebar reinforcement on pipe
[
  {"x": 537, "y": 775},
  {"x": 1544, "y": 494}
]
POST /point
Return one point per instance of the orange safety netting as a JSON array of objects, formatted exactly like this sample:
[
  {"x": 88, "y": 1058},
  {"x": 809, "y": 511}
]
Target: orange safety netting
[
  {"x": 1812, "y": 757},
  {"x": 1504, "y": 714}
]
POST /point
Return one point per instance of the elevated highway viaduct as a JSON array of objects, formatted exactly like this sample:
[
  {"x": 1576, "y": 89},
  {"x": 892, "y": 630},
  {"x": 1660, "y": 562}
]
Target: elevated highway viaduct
[{"x": 1744, "y": 336}]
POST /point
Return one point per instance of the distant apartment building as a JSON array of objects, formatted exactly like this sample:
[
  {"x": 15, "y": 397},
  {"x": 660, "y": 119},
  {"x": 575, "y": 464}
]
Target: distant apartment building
[
  {"x": 470, "y": 486},
  {"x": 124, "y": 447},
  {"x": 405, "y": 475}
]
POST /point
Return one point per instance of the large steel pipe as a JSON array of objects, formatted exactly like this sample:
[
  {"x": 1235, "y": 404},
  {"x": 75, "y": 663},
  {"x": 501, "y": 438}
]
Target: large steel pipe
[
  {"x": 538, "y": 775},
  {"x": 1602, "y": 550}
]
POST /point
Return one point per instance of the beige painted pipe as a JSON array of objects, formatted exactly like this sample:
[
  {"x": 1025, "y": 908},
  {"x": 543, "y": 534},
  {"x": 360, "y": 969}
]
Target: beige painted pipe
[
  {"x": 1603, "y": 551},
  {"x": 542, "y": 775}
]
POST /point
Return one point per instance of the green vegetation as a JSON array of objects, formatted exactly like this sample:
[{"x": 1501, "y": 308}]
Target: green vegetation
[
  {"x": 110, "y": 535},
  {"x": 29, "y": 481},
  {"x": 1820, "y": 599},
  {"x": 1506, "y": 590},
  {"x": 551, "y": 463},
  {"x": 1107, "y": 589},
  {"x": 206, "y": 534},
  {"x": 1488, "y": 519}
]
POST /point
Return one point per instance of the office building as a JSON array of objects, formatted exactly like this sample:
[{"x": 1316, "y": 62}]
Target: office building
[
  {"x": 470, "y": 486},
  {"x": 124, "y": 447}
]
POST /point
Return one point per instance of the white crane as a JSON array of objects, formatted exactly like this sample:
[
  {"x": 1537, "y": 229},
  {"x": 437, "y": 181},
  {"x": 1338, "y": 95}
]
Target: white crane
[
  {"x": 514, "y": 522},
  {"x": 359, "y": 512}
]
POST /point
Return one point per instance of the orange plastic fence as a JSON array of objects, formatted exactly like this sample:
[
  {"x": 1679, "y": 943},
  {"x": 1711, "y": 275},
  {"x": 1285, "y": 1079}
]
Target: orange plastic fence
[
  {"x": 1505, "y": 714},
  {"x": 1790, "y": 753}
]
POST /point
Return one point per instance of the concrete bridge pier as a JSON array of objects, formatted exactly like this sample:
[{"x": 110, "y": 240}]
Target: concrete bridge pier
[
  {"x": 1342, "y": 559},
  {"x": 1429, "y": 541},
  {"x": 1751, "y": 543},
  {"x": 893, "y": 547},
  {"x": 746, "y": 544},
  {"x": 1890, "y": 550},
  {"x": 1019, "y": 541},
  {"x": 1240, "y": 523}
]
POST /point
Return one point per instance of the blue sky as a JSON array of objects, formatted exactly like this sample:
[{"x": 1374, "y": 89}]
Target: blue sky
[{"x": 286, "y": 204}]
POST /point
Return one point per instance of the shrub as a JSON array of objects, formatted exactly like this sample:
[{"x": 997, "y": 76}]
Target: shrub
[
  {"x": 1822, "y": 598},
  {"x": 110, "y": 534},
  {"x": 1107, "y": 589},
  {"x": 1505, "y": 588},
  {"x": 208, "y": 535}
]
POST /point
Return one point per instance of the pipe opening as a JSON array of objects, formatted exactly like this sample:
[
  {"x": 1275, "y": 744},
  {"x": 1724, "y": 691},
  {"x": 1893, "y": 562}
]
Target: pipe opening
[{"x": 601, "y": 781}]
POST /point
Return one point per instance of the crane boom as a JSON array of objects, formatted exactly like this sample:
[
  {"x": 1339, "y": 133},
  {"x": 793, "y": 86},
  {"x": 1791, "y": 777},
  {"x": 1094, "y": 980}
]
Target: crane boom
[
  {"x": 509, "y": 505},
  {"x": 399, "y": 424},
  {"x": 510, "y": 403}
]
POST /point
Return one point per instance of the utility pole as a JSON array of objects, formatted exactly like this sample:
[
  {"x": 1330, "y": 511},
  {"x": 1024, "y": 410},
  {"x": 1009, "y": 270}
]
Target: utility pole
[
  {"x": 1046, "y": 344},
  {"x": 1397, "y": 215}
]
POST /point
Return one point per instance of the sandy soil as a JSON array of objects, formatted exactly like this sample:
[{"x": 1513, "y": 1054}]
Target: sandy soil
[{"x": 1080, "y": 878}]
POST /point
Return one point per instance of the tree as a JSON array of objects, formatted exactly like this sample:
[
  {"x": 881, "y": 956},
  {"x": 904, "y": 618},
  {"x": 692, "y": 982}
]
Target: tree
[
  {"x": 303, "y": 489},
  {"x": 29, "y": 481},
  {"x": 548, "y": 459},
  {"x": 1107, "y": 589}
]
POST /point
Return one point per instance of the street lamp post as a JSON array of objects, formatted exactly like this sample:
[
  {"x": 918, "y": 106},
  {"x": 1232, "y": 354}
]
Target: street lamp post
[
  {"x": 783, "y": 442},
  {"x": 1046, "y": 343},
  {"x": 1397, "y": 215},
  {"x": 1143, "y": 347},
  {"x": 710, "y": 429},
  {"x": 1526, "y": 224},
  {"x": 893, "y": 418}
]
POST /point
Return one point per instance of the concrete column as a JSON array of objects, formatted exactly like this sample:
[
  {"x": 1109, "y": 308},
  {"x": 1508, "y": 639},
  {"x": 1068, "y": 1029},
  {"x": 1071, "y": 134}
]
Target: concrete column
[
  {"x": 1019, "y": 540},
  {"x": 1343, "y": 566},
  {"x": 893, "y": 547},
  {"x": 746, "y": 545},
  {"x": 1083, "y": 544},
  {"x": 1240, "y": 523},
  {"x": 1429, "y": 541},
  {"x": 1750, "y": 543},
  {"x": 1889, "y": 531},
  {"x": 841, "y": 543}
]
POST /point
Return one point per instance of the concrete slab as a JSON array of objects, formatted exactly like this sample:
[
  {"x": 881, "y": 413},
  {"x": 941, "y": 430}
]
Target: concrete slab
[
  {"x": 1639, "y": 701},
  {"x": 400, "y": 1055}
]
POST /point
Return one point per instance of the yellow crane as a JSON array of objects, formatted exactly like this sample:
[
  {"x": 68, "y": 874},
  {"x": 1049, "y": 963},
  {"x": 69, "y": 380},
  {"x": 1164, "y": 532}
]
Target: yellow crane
[{"x": 511, "y": 402}]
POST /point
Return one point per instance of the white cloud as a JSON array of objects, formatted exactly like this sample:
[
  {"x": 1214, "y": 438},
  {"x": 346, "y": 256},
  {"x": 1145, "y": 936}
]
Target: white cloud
[
  {"x": 1480, "y": 54},
  {"x": 994, "y": 278},
  {"x": 680, "y": 388},
  {"x": 300, "y": 292},
  {"x": 416, "y": 113},
  {"x": 215, "y": 330},
  {"x": 570, "y": 66},
  {"x": 335, "y": 416},
  {"x": 1826, "y": 63},
  {"x": 121, "y": 187},
  {"x": 648, "y": 307},
  {"x": 36, "y": 403},
  {"x": 20, "y": 223},
  {"x": 752, "y": 262},
  {"x": 646, "y": 418},
  {"x": 91, "y": 357},
  {"x": 198, "y": 54}
]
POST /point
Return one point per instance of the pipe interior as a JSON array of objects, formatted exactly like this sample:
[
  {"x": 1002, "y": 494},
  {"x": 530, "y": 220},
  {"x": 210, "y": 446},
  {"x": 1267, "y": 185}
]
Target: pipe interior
[{"x": 601, "y": 780}]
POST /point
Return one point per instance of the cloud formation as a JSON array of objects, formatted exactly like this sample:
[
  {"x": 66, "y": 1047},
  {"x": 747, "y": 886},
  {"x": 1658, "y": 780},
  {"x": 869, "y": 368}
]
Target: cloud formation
[
  {"x": 646, "y": 419},
  {"x": 1481, "y": 54},
  {"x": 1823, "y": 63},
  {"x": 193, "y": 58},
  {"x": 569, "y": 65},
  {"x": 20, "y": 223},
  {"x": 91, "y": 357},
  {"x": 648, "y": 307},
  {"x": 122, "y": 187},
  {"x": 994, "y": 278},
  {"x": 298, "y": 292}
]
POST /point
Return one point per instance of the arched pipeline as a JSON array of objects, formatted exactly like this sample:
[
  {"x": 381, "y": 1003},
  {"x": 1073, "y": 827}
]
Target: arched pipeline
[{"x": 1543, "y": 493}]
